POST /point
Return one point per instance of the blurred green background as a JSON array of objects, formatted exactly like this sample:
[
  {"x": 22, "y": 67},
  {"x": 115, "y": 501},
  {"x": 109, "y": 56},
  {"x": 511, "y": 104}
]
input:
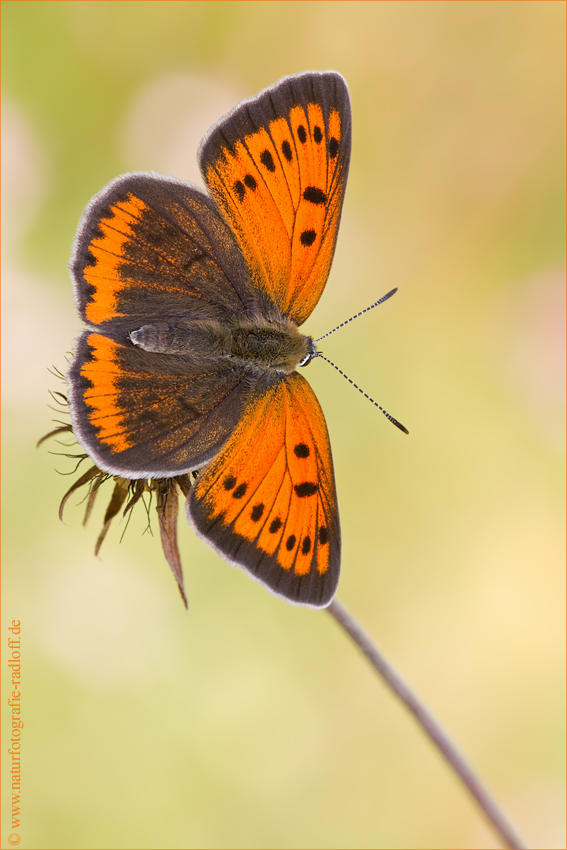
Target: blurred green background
[{"x": 249, "y": 722}]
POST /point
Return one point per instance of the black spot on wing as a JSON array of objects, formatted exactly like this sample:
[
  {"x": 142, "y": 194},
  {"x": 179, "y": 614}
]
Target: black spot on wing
[
  {"x": 314, "y": 195},
  {"x": 308, "y": 237},
  {"x": 267, "y": 160},
  {"x": 240, "y": 491},
  {"x": 257, "y": 512},
  {"x": 305, "y": 489},
  {"x": 286, "y": 150},
  {"x": 301, "y": 450}
]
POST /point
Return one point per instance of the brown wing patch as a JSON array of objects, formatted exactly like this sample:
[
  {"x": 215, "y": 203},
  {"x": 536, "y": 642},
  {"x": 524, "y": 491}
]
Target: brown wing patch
[
  {"x": 268, "y": 501},
  {"x": 154, "y": 246},
  {"x": 141, "y": 414}
]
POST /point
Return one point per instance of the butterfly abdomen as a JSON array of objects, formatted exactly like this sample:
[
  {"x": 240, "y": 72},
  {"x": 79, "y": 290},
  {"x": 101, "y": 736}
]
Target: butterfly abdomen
[
  {"x": 263, "y": 345},
  {"x": 205, "y": 339}
]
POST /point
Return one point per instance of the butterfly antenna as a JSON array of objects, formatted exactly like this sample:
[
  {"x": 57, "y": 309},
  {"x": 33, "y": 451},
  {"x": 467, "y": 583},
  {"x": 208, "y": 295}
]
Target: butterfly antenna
[
  {"x": 366, "y": 309},
  {"x": 375, "y": 403}
]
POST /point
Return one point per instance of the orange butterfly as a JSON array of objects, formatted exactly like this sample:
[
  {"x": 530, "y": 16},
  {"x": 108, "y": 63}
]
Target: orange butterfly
[{"x": 193, "y": 303}]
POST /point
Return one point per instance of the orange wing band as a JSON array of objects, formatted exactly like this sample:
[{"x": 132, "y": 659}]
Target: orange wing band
[
  {"x": 103, "y": 372},
  {"x": 108, "y": 252}
]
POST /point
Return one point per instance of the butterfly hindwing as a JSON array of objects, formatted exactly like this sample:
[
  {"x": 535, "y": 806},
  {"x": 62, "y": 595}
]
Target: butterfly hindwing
[
  {"x": 277, "y": 166},
  {"x": 268, "y": 501},
  {"x": 143, "y": 414}
]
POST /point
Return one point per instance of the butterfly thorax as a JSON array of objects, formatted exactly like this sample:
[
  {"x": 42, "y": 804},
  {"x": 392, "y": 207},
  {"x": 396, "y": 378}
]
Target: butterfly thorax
[{"x": 261, "y": 344}]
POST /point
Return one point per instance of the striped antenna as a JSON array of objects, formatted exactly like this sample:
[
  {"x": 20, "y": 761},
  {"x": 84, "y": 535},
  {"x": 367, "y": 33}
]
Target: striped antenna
[
  {"x": 375, "y": 403},
  {"x": 366, "y": 309}
]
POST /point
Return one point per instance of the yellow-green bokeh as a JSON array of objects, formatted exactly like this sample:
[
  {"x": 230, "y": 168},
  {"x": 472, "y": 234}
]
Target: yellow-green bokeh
[{"x": 251, "y": 723}]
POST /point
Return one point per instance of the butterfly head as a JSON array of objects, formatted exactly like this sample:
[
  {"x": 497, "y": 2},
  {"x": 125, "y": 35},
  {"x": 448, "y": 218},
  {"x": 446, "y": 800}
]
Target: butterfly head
[{"x": 312, "y": 352}]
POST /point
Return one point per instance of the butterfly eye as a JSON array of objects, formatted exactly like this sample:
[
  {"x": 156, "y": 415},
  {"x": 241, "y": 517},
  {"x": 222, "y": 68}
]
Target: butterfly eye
[{"x": 311, "y": 354}]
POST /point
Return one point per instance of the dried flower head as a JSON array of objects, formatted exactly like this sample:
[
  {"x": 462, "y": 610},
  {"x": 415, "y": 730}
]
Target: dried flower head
[{"x": 125, "y": 496}]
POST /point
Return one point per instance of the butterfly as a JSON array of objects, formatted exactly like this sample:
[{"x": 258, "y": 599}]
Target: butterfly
[{"x": 193, "y": 302}]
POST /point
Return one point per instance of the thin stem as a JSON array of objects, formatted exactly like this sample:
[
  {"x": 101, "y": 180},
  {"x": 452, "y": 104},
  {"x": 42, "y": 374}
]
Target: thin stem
[{"x": 430, "y": 726}]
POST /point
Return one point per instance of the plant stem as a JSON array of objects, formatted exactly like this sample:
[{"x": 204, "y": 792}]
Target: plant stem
[{"x": 430, "y": 726}]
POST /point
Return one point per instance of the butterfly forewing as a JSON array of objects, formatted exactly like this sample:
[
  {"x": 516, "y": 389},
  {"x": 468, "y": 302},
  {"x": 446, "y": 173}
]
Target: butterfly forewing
[
  {"x": 268, "y": 501},
  {"x": 277, "y": 166},
  {"x": 150, "y": 246}
]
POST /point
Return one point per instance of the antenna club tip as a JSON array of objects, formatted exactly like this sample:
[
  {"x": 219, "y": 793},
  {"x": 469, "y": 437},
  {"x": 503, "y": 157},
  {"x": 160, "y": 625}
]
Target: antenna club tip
[{"x": 398, "y": 425}]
